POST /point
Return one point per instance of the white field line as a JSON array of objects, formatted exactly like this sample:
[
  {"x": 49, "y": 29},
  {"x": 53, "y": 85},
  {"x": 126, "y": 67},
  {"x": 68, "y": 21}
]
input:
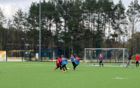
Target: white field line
[
  {"x": 96, "y": 65},
  {"x": 119, "y": 78}
]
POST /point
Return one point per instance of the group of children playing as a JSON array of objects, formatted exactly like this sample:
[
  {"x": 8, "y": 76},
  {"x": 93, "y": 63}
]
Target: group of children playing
[{"x": 61, "y": 62}]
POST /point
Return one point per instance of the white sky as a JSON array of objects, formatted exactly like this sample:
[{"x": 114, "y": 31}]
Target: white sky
[{"x": 9, "y": 7}]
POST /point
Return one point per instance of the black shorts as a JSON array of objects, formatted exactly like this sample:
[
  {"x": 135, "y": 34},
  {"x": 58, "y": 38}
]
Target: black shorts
[
  {"x": 101, "y": 61},
  {"x": 74, "y": 64},
  {"x": 137, "y": 62}
]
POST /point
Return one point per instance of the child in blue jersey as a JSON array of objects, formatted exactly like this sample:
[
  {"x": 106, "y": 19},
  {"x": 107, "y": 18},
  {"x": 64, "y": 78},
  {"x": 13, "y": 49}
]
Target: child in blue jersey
[
  {"x": 75, "y": 61},
  {"x": 64, "y": 63}
]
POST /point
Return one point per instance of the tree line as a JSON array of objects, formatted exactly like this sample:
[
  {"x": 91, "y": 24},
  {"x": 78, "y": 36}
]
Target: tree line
[{"x": 72, "y": 25}]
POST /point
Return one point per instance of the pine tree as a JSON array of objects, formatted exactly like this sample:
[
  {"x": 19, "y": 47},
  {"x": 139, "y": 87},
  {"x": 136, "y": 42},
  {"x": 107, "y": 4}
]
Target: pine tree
[
  {"x": 2, "y": 30},
  {"x": 133, "y": 14},
  {"x": 120, "y": 21}
]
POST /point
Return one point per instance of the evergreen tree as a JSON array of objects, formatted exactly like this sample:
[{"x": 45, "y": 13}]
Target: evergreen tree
[
  {"x": 2, "y": 31},
  {"x": 133, "y": 14},
  {"x": 120, "y": 22},
  {"x": 20, "y": 27}
]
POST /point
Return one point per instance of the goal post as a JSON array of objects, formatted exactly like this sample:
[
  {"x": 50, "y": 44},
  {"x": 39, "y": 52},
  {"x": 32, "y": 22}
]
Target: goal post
[{"x": 112, "y": 55}]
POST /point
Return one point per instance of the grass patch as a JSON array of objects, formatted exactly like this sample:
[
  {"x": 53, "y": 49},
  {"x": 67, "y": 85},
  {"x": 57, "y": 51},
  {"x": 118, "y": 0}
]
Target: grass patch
[{"x": 42, "y": 75}]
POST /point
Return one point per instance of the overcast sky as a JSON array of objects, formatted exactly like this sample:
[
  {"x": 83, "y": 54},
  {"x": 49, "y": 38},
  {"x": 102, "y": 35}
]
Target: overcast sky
[{"x": 9, "y": 7}]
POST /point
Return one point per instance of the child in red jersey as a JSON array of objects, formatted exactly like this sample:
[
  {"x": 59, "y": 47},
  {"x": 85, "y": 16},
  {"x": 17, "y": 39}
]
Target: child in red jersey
[
  {"x": 58, "y": 63},
  {"x": 137, "y": 60}
]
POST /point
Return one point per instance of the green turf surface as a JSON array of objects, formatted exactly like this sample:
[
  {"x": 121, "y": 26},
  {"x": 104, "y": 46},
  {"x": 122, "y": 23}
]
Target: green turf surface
[{"x": 42, "y": 75}]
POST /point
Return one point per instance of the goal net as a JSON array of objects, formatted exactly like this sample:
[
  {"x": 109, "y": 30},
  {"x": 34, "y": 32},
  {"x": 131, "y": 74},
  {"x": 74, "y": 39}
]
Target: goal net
[{"x": 110, "y": 55}]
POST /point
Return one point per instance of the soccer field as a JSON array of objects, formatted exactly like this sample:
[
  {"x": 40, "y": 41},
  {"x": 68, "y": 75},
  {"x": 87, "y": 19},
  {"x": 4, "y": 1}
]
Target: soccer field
[{"x": 42, "y": 75}]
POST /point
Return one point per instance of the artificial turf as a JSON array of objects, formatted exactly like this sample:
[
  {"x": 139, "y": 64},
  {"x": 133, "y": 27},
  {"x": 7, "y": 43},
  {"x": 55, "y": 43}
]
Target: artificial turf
[{"x": 42, "y": 75}]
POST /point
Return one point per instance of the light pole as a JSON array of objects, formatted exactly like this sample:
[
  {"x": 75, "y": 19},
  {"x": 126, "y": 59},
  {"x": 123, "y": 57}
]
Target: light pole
[{"x": 40, "y": 40}]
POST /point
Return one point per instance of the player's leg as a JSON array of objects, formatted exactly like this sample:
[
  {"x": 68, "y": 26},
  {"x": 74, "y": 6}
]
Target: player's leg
[
  {"x": 63, "y": 68},
  {"x": 137, "y": 64},
  {"x": 57, "y": 66},
  {"x": 75, "y": 67},
  {"x": 128, "y": 63},
  {"x": 60, "y": 67},
  {"x": 102, "y": 63},
  {"x": 73, "y": 64}
]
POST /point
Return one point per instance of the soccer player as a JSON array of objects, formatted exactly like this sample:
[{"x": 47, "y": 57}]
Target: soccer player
[
  {"x": 64, "y": 63},
  {"x": 75, "y": 61},
  {"x": 101, "y": 57},
  {"x": 58, "y": 63},
  {"x": 129, "y": 59},
  {"x": 137, "y": 60}
]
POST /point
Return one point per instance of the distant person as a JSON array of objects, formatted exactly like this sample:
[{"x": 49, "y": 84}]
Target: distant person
[
  {"x": 101, "y": 57},
  {"x": 137, "y": 60},
  {"x": 58, "y": 63},
  {"x": 129, "y": 59},
  {"x": 30, "y": 56}
]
